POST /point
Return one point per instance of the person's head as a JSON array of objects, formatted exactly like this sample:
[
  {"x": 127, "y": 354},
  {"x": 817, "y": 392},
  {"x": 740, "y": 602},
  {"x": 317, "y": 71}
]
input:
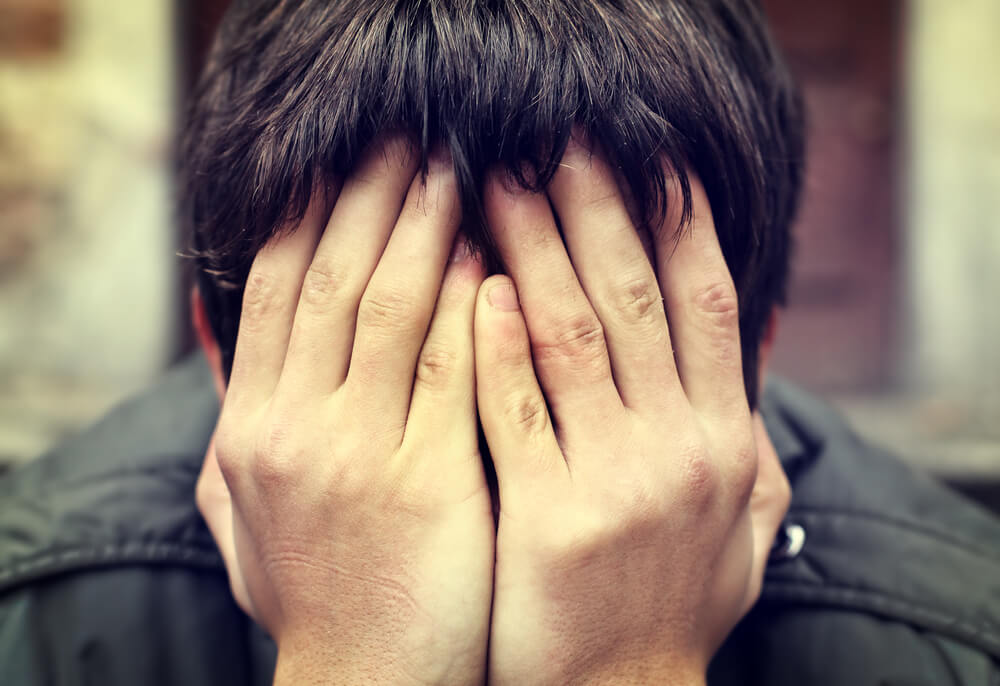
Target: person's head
[{"x": 294, "y": 92}]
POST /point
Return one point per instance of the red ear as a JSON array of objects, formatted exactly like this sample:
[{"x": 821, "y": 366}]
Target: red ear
[{"x": 207, "y": 341}]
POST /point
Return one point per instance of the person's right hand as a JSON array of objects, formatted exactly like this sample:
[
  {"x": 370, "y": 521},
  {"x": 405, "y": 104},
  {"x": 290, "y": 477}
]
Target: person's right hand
[{"x": 361, "y": 520}]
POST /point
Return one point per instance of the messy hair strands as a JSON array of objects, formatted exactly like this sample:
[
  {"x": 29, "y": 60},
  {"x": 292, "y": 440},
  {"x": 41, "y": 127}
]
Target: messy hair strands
[{"x": 295, "y": 91}]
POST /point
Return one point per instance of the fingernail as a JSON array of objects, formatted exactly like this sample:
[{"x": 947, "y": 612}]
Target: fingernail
[{"x": 503, "y": 297}]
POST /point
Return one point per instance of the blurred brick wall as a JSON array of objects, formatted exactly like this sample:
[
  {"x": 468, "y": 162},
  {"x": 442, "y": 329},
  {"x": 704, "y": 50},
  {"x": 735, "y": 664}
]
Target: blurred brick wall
[{"x": 840, "y": 329}]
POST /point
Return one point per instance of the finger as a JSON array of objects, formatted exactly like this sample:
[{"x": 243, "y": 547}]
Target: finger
[
  {"x": 444, "y": 394},
  {"x": 567, "y": 341},
  {"x": 512, "y": 409},
  {"x": 616, "y": 275},
  {"x": 216, "y": 506},
  {"x": 703, "y": 311},
  {"x": 368, "y": 205},
  {"x": 397, "y": 305},
  {"x": 272, "y": 290},
  {"x": 768, "y": 506}
]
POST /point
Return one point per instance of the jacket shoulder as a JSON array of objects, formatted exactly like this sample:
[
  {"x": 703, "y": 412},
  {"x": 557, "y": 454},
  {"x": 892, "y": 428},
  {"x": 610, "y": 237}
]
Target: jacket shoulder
[
  {"x": 893, "y": 577},
  {"x": 108, "y": 574},
  {"x": 122, "y": 491}
]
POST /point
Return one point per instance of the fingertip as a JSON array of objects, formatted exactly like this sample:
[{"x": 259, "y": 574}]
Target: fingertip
[
  {"x": 500, "y": 330},
  {"x": 501, "y": 334},
  {"x": 511, "y": 405},
  {"x": 500, "y": 294},
  {"x": 504, "y": 190},
  {"x": 461, "y": 250},
  {"x": 395, "y": 154},
  {"x": 465, "y": 269},
  {"x": 464, "y": 274},
  {"x": 440, "y": 160},
  {"x": 398, "y": 149}
]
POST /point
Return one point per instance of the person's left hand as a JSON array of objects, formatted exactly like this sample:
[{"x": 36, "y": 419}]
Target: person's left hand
[{"x": 628, "y": 543}]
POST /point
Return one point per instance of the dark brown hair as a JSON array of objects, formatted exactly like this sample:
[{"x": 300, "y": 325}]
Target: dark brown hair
[{"x": 294, "y": 91}]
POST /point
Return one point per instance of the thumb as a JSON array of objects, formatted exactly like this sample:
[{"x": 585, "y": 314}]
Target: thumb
[
  {"x": 768, "y": 506},
  {"x": 216, "y": 506},
  {"x": 512, "y": 408}
]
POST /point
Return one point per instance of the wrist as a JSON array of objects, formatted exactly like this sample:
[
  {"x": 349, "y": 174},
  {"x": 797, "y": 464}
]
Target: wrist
[
  {"x": 633, "y": 671},
  {"x": 319, "y": 666},
  {"x": 317, "y": 657},
  {"x": 638, "y": 675}
]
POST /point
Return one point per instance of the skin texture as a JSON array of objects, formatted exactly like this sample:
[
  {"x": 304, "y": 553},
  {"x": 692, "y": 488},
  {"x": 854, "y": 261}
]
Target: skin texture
[{"x": 638, "y": 495}]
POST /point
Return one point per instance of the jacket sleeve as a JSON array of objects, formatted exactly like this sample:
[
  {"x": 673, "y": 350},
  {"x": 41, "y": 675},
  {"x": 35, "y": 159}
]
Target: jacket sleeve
[
  {"x": 778, "y": 646},
  {"x": 21, "y": 657},
  {"x": 147, "y": 625}
]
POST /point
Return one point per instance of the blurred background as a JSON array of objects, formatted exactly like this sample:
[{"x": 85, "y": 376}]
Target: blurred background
[{"x": 893, "y": 312}]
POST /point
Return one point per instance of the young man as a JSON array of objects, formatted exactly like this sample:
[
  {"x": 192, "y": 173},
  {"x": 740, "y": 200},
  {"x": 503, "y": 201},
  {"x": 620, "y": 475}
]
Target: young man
[{"x": 439, "y": 239}]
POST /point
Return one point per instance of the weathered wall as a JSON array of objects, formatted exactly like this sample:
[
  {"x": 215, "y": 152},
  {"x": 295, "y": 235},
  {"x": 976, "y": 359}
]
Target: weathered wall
[
  {"x": 86, "y": 268},
  {"x": 953, "y": 241}
]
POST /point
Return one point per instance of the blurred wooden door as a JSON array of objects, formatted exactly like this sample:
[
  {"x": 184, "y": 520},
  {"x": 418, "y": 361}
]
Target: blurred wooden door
[
  {"x": 32, "y": 28},
  {"x": 842, "y": 324}
]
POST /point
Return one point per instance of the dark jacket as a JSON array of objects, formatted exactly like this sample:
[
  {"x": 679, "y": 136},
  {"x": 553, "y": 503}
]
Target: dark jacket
[{"x": 109, "y": 576}]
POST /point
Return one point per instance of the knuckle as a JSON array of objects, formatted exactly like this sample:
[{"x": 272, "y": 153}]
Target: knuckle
[
  {"x": 639, "y": 301},
  {"x": 580, "y": 337},
  {"x": 512, "y": 348},
  {"x": 323, "y": 281},
  {"x": 699, "y": 480},
  {"x": 437, "y": 366},
  {"x": 230, "y": 468},
  {"x": 228, "y": 450},
  {"x": 603, "y": 204},
  {"x": 538, "y": 242},
  {"x": 742, "y": 473},
  {"x": 717, "y": 304},
  {"x": 273, "y": 465},
  {"x": 527, "y": 414},
  {"x": 260, "y": 296},
  {"x": 350, "y": 484},
  {"x": 386, "y": 310}
]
